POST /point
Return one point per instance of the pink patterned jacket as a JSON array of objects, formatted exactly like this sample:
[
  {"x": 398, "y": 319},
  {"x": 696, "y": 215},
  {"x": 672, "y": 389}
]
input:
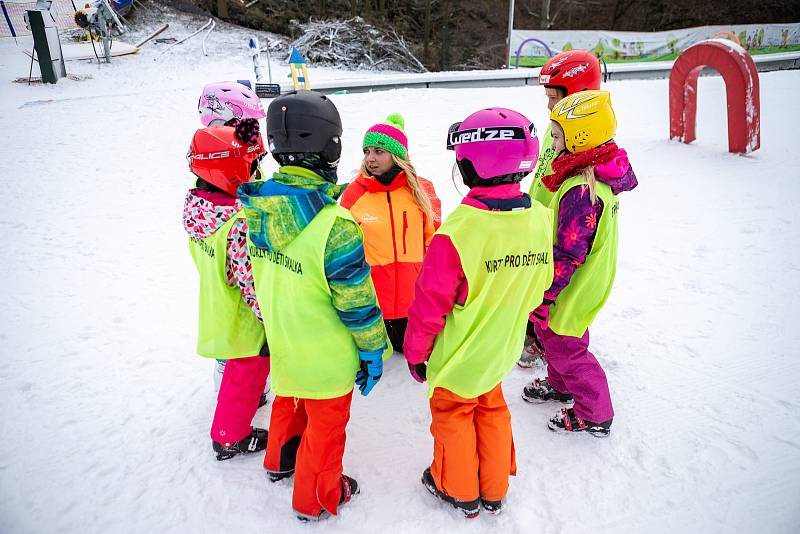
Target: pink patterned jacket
[{"x": 203, "y": 213}]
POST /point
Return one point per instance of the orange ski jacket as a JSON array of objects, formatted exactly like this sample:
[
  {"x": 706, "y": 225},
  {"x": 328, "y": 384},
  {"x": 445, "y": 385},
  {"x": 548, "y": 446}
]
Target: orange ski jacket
[{"x": 396, "y": 235}]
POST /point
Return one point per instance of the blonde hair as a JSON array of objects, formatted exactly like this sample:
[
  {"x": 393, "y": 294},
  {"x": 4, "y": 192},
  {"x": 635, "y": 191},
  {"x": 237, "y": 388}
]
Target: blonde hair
[
  {"x": 587, "y": 172},
  {"x": 419, "y": 194},
  {"x": 591, "y": 182}
]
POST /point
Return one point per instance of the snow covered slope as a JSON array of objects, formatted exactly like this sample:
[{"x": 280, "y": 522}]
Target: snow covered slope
[{"x": 106, "y": 409}]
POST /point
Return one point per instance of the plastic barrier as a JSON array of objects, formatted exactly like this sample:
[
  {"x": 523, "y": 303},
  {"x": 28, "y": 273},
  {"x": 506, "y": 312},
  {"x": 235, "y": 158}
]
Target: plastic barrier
[{"x": 741, "y": 86}]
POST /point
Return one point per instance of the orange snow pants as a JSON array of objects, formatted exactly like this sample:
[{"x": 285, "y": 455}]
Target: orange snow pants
[
  {"x": 473, "y": 450},
  {"x": 308, "y": 436}
]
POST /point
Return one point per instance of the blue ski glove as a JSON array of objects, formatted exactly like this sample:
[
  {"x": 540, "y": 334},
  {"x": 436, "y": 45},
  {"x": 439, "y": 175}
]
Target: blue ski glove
[{"x": 371, "y": 370}]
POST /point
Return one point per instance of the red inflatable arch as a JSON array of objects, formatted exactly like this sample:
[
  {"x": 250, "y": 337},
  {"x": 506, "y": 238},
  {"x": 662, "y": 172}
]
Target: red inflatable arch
[{"x": 741, "y": 85}]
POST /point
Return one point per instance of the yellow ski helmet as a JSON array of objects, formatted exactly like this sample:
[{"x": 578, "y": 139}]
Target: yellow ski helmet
[{"x": 587, "y": 119}]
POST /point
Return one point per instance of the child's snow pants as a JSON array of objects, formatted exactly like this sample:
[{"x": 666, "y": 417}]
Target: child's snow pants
[
  {"x": 571, "y": 368},
  {"x": 237, "y": 401},
  {"x": 472, "y": 436},
  {"x": 308, "y": 436}
]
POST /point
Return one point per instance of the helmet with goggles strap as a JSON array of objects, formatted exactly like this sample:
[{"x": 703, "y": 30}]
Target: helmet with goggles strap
[{"x": 494, "y": 146}]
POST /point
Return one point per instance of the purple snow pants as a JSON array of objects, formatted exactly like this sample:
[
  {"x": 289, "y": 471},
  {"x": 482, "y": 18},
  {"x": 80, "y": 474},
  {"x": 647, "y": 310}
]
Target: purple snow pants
[
  {"x": 572, "y": 368},
  {"x": 242, "y": 385}
]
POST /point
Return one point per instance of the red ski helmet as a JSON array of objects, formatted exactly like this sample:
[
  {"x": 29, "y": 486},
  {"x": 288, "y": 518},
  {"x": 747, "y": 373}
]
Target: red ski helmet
[
  {"x": 224, "y": 156},
  {"x": 572, "y": 71}
]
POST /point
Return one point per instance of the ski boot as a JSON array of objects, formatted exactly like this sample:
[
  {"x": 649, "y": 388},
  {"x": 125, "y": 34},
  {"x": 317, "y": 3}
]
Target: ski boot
[
  {"x": 540, "y": 391},
  {"x": 263, "y": 400},
  {"x": 470, "y": 509},
  {"x": 532, "y": 353},
  {"x": 349, "y": 490},
  {"x": 254, "y": 442},
  {"x": 492, "y": 507},
  {"x": 567, "y": 421},
  {"x": 277, "y": 477},
  {"x": 288, "y": 460}
]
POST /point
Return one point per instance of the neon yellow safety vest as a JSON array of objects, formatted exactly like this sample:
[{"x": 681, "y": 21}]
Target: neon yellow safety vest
[
  {"x": 588, "y": 289},
  {"x": 313, "y": 354},
  {"x": 507, "y": 260},
  {"x": 227, "y": 327},
  {"x": 544, "y": 166}
]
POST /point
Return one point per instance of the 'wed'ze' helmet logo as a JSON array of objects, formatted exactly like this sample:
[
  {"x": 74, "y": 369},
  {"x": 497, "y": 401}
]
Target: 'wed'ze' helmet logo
[{"x": 475, "y": 135}]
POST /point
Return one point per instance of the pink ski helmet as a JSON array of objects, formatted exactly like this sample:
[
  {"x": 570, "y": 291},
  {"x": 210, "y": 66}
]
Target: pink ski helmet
[
  {"x": 223, "y": 101},
  {"x": 494, "y": 146}
]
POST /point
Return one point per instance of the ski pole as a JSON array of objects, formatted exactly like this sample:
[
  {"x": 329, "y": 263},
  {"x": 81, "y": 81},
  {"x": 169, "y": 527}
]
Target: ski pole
[{"x": 205, "y": 26}]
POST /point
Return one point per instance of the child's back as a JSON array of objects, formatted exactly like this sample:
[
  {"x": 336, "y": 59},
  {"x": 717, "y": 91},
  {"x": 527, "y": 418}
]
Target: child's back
[
  {"x": 229, "y": 326},
  {"x": 326, "y": 330},
  {"x": 487, "y": 265}
]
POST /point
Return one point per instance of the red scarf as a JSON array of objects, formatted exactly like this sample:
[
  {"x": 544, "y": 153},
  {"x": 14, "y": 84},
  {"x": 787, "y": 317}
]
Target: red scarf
[{"x": 568, "y": 165}]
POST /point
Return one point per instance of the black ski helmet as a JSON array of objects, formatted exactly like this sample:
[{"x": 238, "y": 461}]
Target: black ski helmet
[{"x": 304, "y": 122}]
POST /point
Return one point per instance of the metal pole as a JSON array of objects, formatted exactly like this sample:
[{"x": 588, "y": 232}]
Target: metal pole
[
  {"x": 269, "y": 62},
  {"x": 507, "y": 60}
]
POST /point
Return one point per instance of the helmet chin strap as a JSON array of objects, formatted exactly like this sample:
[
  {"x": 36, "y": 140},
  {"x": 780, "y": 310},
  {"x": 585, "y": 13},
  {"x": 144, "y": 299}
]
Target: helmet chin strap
[{"x": 456, "y": 185}]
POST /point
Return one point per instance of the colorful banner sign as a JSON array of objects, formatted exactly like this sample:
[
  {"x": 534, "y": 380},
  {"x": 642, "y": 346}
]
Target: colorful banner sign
[{"x": 529, "y": 45}]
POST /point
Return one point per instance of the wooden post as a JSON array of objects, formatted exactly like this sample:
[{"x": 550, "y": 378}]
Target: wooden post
[{"x": 222, "y": 9}]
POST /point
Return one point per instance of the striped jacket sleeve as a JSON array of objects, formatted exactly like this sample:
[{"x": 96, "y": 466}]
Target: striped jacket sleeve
[{"x": 352, "y": 293}]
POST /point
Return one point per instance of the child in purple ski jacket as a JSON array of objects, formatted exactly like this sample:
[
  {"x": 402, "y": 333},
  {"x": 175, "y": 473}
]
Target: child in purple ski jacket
[{"x": 588, "y": 175}]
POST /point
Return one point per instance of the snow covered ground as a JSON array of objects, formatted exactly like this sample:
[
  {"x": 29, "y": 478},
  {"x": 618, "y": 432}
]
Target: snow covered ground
[{"x": 106, "y": 409}]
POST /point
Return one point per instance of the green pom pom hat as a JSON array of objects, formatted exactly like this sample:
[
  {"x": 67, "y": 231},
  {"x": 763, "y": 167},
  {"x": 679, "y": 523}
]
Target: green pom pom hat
[{"x": 389, "y": 136}]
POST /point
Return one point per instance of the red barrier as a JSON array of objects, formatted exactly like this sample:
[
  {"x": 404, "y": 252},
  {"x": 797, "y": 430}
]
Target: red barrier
[{"x": 741, "y": 86}]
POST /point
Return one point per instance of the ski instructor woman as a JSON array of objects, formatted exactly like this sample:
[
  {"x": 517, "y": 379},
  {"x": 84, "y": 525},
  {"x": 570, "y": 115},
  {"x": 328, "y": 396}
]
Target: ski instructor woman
[{"x": 398, "y": 212}]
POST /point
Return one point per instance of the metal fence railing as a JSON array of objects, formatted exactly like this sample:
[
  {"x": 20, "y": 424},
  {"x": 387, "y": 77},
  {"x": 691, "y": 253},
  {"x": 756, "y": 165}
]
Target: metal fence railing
[{"x": 12, "y": 23}]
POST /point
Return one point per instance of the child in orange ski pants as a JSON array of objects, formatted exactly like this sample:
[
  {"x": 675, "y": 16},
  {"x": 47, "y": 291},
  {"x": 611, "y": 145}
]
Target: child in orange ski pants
[
  {"x": 467, "y": 434},
  {"x": 307, "y": 438}
]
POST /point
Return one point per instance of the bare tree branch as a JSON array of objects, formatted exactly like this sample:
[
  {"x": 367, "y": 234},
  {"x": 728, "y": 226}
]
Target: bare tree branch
[{"x": 355, "y": 44}]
